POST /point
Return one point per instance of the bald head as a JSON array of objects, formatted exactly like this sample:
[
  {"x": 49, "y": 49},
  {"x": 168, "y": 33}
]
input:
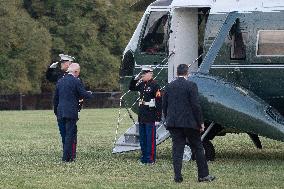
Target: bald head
[{"x": 74, "y": 69}]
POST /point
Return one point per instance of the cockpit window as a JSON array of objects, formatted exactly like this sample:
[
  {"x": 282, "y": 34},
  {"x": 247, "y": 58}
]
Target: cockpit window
[
  {"x": 270, "y": 43},
  {"x": 156, "y": 35}
]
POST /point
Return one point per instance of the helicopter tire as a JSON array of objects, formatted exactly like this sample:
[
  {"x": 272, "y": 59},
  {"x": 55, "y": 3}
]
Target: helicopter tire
[{"x": 209, "y": 151}]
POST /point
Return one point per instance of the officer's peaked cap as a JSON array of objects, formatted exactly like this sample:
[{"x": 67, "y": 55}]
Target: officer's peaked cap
[
  {"x": 147, "y": 68},
  {"x": 65, "y": 57}
]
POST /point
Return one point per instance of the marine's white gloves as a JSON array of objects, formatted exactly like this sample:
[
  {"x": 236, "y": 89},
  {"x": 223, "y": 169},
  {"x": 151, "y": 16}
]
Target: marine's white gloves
[
  {"x": 138, "y": 76},
  {"x": 53, "y": 65},
  {"x": 202, "y": 127}
]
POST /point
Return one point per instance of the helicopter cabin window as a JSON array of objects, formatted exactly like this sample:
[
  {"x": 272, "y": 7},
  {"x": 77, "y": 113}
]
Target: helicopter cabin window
[
  {"x": 238, "y": 37},
  {"x": 270, "y": 43},
  {"x": 156, "y": 35}
]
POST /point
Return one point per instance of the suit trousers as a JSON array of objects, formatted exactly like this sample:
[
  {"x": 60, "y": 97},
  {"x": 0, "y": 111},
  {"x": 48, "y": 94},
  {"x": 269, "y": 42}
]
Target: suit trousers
[
  {"x": 147, "y": 138},
  {"x": 179, "y": 136},
  {"x": 70, "y": 143},
  {"x": 62, "y": 130}
]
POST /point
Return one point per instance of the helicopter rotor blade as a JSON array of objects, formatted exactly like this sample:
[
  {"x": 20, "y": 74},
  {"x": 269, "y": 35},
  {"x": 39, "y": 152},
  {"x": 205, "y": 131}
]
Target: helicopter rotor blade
[{"x": 141, "y": 5}]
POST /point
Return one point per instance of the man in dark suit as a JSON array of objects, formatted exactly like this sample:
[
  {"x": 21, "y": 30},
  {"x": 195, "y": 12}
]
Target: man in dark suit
[
  {"x": 69, "y": 90},
  {"x": 184, "y": 120}
]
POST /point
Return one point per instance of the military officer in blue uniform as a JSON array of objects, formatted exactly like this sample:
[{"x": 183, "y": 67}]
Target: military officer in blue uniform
[
  {"x": 69, "y": 90},
  {"x": 149, "y": 112}
]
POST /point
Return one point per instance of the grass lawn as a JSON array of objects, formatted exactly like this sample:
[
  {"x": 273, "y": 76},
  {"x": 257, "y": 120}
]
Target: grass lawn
[{"x": 30, "y": 157}]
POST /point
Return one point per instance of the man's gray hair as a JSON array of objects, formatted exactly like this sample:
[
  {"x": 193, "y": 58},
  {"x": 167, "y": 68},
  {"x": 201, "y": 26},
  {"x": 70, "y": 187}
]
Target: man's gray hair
[{"x": 73, "y": 67}]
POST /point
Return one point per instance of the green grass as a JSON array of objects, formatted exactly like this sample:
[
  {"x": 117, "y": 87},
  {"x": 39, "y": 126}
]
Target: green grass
[{"x": 30, "y": 157}]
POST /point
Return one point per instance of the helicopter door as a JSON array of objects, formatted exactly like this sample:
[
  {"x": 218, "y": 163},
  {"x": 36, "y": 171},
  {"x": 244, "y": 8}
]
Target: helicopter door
[
  {"x": 183, "y": 40},
  {"x": 153, "y": 43}
]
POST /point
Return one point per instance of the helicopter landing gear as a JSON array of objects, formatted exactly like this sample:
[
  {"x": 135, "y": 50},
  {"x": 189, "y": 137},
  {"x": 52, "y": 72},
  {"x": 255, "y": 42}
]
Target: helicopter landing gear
[
  {"x": 209, "y": 151},
  {"x": 211, "y": 131}
]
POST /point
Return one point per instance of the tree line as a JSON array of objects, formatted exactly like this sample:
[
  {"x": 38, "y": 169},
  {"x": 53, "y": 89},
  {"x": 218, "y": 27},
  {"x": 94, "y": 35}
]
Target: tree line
[{"x": 34, "y": 32}]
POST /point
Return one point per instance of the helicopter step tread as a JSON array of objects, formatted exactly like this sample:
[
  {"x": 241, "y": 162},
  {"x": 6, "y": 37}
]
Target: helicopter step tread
[
  {"x": 129, "y": 141},
  {"x": 128, "y": 144}
]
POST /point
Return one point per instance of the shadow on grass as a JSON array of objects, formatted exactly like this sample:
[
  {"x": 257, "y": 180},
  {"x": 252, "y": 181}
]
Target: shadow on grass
[
  {"x": 250, "y": 155},
  {"x": 164, "y": 154}
]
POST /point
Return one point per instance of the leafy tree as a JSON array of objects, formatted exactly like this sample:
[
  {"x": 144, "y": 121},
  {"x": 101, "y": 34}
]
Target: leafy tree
[
  {"x": 25, "y": 50},
  {"x": 34, "y": 32},
  {"x": 94, "y": 31}
]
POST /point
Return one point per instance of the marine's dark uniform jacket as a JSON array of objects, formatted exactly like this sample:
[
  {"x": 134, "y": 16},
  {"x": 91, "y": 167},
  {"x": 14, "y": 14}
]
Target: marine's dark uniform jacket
[
  {"x": 181, "y": 106},
  {"x": 148, "y": 90},
  {"x": 54, "y": 74}
]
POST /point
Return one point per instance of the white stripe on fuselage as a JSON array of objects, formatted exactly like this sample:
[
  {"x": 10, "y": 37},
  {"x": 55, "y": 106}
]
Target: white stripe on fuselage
[
  {"x": 225, "y": 6},
  {"x": 152, "y": 66},
  {"x": 225, "y": 66},
  {"x": 249, "y": 66}
]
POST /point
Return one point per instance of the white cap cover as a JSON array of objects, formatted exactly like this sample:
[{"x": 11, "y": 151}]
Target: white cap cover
[
  {"x": 147, "y": 68},
  {"x": 65, "y": 57}
]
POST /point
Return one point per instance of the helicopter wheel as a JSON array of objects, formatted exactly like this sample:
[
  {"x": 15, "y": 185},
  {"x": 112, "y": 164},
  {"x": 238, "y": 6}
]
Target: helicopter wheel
[{"x": 209, "y": 151}]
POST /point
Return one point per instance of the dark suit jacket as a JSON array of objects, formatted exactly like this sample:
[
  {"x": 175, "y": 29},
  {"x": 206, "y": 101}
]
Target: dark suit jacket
[
  {"x": 181, "y": 106},
  {"x": 69, "y": 90}
]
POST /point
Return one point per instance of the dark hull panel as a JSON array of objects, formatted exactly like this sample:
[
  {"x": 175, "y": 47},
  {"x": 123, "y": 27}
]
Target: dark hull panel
[{"x": 235, "y": 107}]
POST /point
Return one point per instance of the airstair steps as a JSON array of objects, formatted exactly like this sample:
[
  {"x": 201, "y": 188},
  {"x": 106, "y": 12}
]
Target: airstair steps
[{"x": 129, "y": 141}]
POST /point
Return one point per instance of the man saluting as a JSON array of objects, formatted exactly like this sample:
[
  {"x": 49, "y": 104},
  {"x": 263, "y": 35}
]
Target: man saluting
[{"x": 149, "y": 112}]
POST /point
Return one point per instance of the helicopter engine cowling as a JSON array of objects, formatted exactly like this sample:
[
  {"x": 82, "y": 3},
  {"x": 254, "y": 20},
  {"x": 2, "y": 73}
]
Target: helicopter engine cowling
[{"x": 234, "y": 107}]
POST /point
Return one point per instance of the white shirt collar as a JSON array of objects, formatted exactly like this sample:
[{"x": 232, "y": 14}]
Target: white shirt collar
[
  {"x": 71, "y": 74},
  {"x": 183, "y": 77}
]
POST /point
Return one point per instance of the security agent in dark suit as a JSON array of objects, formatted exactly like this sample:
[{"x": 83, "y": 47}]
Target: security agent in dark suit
[
  {"x": 69, "y": 90},
  {"x": 184, "y": 120}
]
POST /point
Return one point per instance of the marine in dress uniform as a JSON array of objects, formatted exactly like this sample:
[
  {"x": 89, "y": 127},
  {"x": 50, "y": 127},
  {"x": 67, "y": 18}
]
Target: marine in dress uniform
[
  {"x": 149, "y": 112},
  {"x": 58, "y": 69}
]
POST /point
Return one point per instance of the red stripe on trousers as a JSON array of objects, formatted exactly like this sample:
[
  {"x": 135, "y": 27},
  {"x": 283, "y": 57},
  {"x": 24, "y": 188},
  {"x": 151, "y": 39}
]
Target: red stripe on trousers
[
  {"x": 73, "y": 150},
  {"x": 153, "y": 144}
]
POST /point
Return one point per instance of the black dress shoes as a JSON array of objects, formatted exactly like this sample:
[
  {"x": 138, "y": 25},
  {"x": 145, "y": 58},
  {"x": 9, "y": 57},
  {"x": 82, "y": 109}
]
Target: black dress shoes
[
  {"x": 208, "y": 178},
  {"x": 178, "y": 179}
]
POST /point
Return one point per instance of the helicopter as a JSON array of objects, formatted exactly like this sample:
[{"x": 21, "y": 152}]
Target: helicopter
[{"x": 235, "y": 49}]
